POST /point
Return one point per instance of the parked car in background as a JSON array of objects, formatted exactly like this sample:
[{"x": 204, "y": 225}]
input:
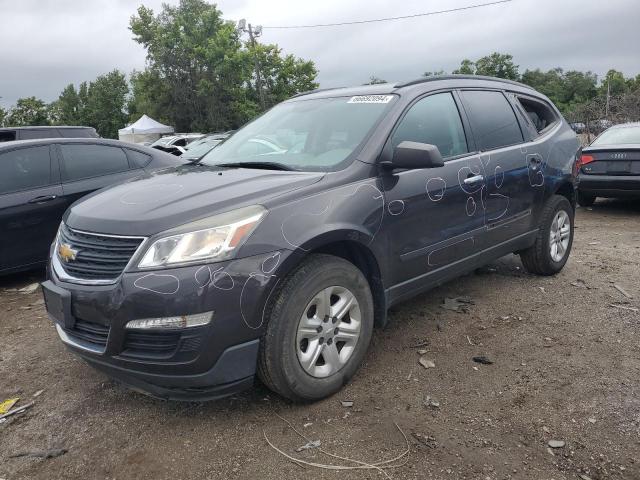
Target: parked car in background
[
  {"x": 9, "y": 134},
  {"x": 175, "y": 144},
  {"x": 610, "y": 165},
  {"x": 199, "y": 148},
  {"x": 278, "y": 251},
  {"x": 578, "y": 127},
  {"x": 39, "y": 179}
]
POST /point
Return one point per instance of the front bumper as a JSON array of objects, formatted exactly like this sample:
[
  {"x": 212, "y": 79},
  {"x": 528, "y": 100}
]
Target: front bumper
[
  {"x": 609, "y": 185},
  {"x": 196, "y": 363}
]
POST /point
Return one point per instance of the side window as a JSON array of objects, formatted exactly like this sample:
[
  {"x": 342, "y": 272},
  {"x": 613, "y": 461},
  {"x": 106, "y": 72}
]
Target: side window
[
  {"x": 434, "y": 119},
  {"x": 27, "y": 134},
  {"x": 24, "y": 169},
  {"x": 139, "y": 159},
  {"x": 75, "y": 133},
  {"x": 493, "y": 121},
  {"x": 7, "y": 135},
  {"x": 540, "y": 114},
  {"x": 83, "y": 161}
]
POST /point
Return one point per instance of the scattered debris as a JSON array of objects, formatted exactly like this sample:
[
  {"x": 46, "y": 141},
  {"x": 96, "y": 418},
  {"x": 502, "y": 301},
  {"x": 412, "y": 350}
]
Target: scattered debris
[
  {"x": 582, "y": 476},
  {"x": 469, "y": 340},
  {"x": 307, "y": 424},
  {"x": 29, "y": 288},
  {"x": 420, "y": 344},
  {"x": 17, "y": 410},
  {"x": 426, "y": 363},
  {"x": 622, "y": 291},
  {"x": 579, "y": 283},
  {"x": 457, "y": 304},
  {"x": 38, "y": 393},
  {"x": 431, "y": 402},
  {"x": 592, "y": 420},
  {"x": 309, "y": 446},
  {"x": 545, "y": 429},
  {"x": 483, "y": 360},
  {"x": 542, "y": 289},
  {"x": 594, "y": 243},
  {"x": 623, "y": 307},
  {"x": 426, "y": 440},
  {"x": 8, "y": 404},
  {"x": 53, "y": 453},
  {"x": 422, "y": 351},
  {"x": 346, "y": 403},
  {"x": 379, "y": 466},
  {"x": 556, "y": 443},
  {"x": 475, "y": 368}
]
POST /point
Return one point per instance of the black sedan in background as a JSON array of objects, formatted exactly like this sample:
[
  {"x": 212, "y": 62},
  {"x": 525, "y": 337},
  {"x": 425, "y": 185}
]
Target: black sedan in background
[
  {"x": 39, "y": 179},
  {"x": 610, "y": 166}
]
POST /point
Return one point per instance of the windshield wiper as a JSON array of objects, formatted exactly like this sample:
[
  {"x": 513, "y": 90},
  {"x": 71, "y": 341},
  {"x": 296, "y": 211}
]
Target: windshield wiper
[{"x": 258, "y": 165}]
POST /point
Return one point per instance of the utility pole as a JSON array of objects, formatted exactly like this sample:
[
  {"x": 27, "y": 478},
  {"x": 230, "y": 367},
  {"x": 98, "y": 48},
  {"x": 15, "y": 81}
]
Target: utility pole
[{"x": 253, "y": 33}]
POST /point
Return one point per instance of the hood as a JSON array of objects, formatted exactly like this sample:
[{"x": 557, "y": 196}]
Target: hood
[{"x": 171, "y": 197}]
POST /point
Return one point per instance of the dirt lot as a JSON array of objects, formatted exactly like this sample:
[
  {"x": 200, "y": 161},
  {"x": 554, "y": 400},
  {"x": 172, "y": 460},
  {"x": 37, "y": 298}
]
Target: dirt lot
[{"x": 566, "y": 367}]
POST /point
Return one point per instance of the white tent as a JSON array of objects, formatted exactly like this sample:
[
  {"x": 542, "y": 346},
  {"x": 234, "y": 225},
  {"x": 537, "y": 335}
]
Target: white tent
[{"x": 146, "y": 129}]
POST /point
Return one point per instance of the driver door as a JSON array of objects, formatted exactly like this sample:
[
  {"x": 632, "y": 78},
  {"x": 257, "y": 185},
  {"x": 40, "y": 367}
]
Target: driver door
[{"x": 434, "y": 215}]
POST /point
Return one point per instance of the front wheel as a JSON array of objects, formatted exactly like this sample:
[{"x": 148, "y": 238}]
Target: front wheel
[
  {"x": 319, "y": 327},
  {"x": 553, "y": 242}
]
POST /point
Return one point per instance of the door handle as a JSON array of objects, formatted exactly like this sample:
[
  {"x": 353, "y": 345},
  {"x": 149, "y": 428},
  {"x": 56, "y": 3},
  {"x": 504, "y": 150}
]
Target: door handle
[
  {"x": 43, "y": 198},
  {"x": 474, "y": 179}
]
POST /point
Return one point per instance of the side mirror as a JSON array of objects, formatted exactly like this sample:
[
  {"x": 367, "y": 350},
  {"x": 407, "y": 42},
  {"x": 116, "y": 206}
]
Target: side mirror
[{"x": 413, "y": 155}]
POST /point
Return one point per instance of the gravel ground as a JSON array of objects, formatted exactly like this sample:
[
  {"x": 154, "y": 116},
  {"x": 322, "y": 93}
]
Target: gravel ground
[{"x": 566, "y": 366}]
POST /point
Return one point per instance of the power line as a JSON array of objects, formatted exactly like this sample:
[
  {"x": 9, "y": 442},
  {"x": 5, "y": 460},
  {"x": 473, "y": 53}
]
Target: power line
[{"x": 427, "y": 14}]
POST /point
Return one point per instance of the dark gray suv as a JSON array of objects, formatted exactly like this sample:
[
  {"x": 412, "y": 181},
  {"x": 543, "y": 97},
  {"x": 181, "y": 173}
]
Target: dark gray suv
[{"x": 280, "y": 250}]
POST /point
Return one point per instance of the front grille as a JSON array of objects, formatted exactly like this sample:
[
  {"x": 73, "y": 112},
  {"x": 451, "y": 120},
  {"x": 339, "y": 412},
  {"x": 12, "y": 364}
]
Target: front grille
[
  {"x": 88, "y": 332},
  {"x": 150, "y": 345},
  {"x": 97, "y": 257}
]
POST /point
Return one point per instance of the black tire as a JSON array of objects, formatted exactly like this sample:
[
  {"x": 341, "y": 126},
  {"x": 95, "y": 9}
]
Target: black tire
[
  {"x": 278, "y": 364},
  {"x": 585, "y": 200},
  {"x": 537, "y": 258}
]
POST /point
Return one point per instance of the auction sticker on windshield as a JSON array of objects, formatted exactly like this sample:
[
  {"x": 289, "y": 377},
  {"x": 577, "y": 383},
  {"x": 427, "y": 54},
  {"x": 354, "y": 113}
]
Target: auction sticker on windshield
[{"x": 371, "y": 99}]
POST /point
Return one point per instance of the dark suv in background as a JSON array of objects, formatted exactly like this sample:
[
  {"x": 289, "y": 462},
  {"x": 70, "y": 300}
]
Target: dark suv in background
[
  {"x": 9, "y": 134},
  {"x": 39, "y": 179},
  {"x": 187, "y": 282}
]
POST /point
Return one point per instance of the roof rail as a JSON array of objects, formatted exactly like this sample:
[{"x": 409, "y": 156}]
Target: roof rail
[
  {"x": 309, "y": 92},
  {"x": 459, "y": 77}
]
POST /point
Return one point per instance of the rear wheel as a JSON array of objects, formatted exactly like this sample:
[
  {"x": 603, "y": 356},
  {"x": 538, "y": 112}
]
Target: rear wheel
[
  {"x": 319, "y": 327},
  {"x": 553, "y": 242},
  {"x": 585, "y": 200}
]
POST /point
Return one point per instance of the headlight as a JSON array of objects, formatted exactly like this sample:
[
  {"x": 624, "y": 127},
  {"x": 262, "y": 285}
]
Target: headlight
[{"x": 223, "y": 235}]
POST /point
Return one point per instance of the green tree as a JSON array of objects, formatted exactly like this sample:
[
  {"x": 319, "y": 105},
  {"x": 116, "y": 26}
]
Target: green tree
[
  {"x": 68, "y": 106},
  {"x": 497, "y": 65},
  {"x": 28, "y": 112},
  {"x": 201, "y": 75},
  {"x": 3, "y": 116},
  {"x": 467, "y": 67},
  {"x": 436, "y": 73},
  {"x": 615, "y": 82},
  {"x": 105, "y": 104}
]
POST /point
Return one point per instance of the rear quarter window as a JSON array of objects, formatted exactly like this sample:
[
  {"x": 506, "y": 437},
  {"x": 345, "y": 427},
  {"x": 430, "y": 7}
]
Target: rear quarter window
[
  {"x": 493, "y": 121},
  {"x": 85, "y": 161},
  {"x": 540, "y": 115},
  {"x": 138, "y": 159}
]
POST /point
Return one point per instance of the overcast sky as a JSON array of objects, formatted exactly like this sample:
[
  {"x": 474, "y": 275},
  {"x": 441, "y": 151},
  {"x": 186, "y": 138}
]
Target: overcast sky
[{"x": 48, "y": 44}]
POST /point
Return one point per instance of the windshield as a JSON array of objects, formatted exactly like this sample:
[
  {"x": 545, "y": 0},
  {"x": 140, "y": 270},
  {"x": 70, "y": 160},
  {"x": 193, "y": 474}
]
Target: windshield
[
  {"x": 619, "y": 136},
  {"x": 200, "y": 147},
  {"x": 311, "y": 135}
]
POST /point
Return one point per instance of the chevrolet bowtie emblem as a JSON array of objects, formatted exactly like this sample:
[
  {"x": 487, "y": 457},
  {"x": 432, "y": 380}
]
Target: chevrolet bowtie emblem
[{"x": 66, "y": 253}]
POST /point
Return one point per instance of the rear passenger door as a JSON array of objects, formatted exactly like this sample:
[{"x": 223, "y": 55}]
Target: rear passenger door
[
  {"x": 31, "y": 205},
  {"x": 507, "y": 199},
  {"x": 88, "y": 167}
]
